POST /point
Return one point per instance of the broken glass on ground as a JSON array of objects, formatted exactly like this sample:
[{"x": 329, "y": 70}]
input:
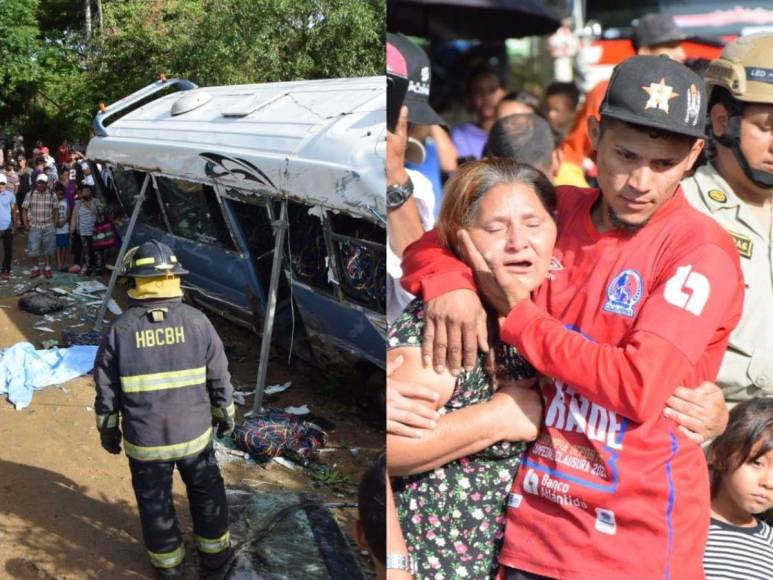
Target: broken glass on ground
[{"x": 286, "y": 535}]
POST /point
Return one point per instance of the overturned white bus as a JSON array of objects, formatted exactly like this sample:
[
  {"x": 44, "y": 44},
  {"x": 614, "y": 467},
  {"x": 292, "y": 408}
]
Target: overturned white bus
[{"x": 242, "y": 180}]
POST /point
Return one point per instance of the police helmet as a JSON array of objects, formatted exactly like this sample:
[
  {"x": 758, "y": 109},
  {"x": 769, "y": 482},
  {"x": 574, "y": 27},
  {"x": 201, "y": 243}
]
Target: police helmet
[
  {"x": 744, "y": 69},
  {"x": 150, "y": 260},
  {"x": 742, "y": 75}
]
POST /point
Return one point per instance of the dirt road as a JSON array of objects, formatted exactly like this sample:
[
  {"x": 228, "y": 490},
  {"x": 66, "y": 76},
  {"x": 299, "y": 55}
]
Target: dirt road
[{"x": 66, "y": 507}]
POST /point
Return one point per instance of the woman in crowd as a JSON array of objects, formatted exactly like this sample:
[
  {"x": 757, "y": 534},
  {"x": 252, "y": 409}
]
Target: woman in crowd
[
  {"x": 483, "y": 91},
  {"x": 451, "y": 485}
]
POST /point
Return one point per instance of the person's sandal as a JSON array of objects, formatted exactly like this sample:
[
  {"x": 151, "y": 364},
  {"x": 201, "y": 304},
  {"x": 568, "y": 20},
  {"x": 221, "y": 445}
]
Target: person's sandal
[
  {"x": 47, "y": 273},
  {"x": 35, "y": 273}
]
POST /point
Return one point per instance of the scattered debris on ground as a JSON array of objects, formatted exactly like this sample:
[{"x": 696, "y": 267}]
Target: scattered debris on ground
[{"x": 67, "y": 509}]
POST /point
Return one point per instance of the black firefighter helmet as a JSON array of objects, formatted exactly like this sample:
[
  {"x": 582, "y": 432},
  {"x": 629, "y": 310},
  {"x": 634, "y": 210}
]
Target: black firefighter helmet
[{"x": 150, "y": 260}]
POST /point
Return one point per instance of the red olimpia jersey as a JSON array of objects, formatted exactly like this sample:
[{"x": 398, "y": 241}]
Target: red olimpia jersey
[{"x": 612, "y": 489}]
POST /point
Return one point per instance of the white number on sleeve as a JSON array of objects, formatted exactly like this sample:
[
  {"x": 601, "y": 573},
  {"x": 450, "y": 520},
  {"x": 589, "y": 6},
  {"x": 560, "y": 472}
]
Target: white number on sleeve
[{"x": 698, "y": 285}]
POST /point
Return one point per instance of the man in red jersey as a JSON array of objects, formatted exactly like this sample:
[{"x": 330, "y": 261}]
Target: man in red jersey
[
  {"x": 653, "y": 34},
  {"x": 643, "y": 296}
]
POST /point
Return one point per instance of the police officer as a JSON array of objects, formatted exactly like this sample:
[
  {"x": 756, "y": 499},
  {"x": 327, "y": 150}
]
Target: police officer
[
  {"x": 162, "y": 368},
  {"x": 735, "y": 189}
]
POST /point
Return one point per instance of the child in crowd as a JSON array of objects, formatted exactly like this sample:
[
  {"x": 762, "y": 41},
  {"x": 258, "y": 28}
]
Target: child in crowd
[
  {"x": 69, "y": 186},
  {"x": 740, "y": 543},
  {"x": 62, "y": 228},
  {"x": 483, "y": 91},
  {"x": 85, "y": 216},
  {"x": 76, "y": 247},
  {"x": 561, "y": 100}
]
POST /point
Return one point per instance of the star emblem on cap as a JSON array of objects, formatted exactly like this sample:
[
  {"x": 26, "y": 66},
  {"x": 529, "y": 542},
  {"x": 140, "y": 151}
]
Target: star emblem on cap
[{"x": 660, "y": 94}]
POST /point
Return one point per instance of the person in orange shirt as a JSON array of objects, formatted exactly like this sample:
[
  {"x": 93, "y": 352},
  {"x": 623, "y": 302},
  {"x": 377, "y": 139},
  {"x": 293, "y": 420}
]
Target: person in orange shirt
[{"x": 653, "y": 34}]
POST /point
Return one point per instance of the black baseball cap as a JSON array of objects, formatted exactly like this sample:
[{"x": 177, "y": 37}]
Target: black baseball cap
[
  {"x": 654, "y": 29},
  {"x": 657, "y": 92},
  {"x": 419, "y": 75}
]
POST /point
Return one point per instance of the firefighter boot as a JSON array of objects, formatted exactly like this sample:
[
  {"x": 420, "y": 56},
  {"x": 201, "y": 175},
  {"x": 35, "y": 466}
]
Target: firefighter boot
[
  {"x": 170, "y": 573},
  {"x": 216, "y": 562}
]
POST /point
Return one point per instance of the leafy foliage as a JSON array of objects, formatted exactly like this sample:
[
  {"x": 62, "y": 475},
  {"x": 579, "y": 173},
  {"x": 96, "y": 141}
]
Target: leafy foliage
[
  {"x": 54, "y": 76},
  {"x": 19, "y": 47},
  {"x": 325, "y": 475}
]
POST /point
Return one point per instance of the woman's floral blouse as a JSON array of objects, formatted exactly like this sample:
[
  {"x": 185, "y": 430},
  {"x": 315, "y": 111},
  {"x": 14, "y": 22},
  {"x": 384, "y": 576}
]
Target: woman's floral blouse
[{"x": 453, "y": 517}]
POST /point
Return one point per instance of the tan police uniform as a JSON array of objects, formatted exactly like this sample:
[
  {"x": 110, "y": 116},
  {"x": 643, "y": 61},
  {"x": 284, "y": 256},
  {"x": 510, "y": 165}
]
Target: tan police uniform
[{"x": 747, "y": 369}]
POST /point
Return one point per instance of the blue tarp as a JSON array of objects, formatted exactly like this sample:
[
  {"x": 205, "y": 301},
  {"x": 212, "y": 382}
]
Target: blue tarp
[{"x": 24, "y": 369}]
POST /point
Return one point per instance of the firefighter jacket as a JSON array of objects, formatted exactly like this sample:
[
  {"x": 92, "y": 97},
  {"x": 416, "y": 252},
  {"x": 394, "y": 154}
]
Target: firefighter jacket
[{"x": 162, "y": 367}]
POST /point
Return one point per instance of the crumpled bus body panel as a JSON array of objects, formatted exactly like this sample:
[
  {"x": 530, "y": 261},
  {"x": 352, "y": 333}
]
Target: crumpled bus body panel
[{"x": 219, "y": 173}]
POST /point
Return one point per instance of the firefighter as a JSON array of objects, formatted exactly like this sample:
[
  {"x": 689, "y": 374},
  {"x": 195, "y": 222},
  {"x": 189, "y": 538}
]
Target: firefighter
[{"x": 161, "y": 367}]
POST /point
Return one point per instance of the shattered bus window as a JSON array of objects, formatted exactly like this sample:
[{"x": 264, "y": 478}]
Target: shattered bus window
[
  {"x": 128, "y": 183},
  {"x": 194, "y": 213},
  {"x": 307, "y": 250},
  {"x": 361, "y": 260},
  {"x": 259, "y": 237}
]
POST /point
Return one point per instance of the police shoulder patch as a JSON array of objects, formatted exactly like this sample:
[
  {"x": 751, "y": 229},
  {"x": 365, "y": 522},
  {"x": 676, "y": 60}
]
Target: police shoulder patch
[
  {"x": 718, "y": 195},
  {"x": 623, "y": 293}
]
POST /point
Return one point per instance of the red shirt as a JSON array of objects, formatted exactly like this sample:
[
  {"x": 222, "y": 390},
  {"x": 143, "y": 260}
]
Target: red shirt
[
  {"x": 64, "y": 154},
  {"x": 612, "y": 489}
]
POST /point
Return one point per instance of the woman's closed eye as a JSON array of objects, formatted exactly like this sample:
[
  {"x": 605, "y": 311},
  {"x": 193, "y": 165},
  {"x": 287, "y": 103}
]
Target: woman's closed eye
[{"x": 493, "y": 227}]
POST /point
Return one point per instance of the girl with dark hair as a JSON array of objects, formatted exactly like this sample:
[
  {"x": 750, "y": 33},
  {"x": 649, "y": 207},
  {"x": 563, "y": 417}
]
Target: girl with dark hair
[
  {"x": 740, "y": 543},
  {"x": 87, "y": 213}
]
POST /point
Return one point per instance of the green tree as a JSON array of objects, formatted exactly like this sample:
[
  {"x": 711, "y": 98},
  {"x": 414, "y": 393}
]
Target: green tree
[
  {"x": 19, "y": 47},
  {"x": 273, "y": 40},
  {"x": 60, "y": 74},
  {"x": 237, "y": 41}
]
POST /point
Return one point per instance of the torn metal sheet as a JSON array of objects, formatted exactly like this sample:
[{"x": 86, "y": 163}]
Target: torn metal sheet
[{"x": 330, "y": 324}]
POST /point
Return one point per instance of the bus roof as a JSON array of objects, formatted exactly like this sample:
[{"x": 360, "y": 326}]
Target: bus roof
[{"x": 322, "y": 142}]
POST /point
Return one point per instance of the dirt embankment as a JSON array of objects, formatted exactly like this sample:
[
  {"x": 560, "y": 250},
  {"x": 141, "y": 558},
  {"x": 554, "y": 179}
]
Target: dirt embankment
[{"x": 67, "y": 508}]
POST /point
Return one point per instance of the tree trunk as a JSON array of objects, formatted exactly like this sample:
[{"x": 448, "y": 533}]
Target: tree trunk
[
  {"x": 98, "y": 15},
  {"x": 87, "y": 25}
]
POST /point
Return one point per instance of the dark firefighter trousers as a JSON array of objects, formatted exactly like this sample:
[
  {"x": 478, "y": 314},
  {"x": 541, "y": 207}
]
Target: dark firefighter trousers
[{"x": 152, "y": 483}]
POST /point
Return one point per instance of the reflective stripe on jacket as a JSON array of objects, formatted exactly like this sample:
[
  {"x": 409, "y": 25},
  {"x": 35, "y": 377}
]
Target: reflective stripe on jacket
[{"x": 162, "y": 367}]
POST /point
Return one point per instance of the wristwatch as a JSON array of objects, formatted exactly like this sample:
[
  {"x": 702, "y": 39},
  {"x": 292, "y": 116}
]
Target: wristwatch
[
  {"x": 401, "y": 562},
  {"x": 397, "y": 194}
]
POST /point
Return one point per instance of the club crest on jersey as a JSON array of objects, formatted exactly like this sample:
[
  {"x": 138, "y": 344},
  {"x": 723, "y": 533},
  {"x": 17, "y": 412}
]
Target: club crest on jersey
[{"x": 623, "y": 293}]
